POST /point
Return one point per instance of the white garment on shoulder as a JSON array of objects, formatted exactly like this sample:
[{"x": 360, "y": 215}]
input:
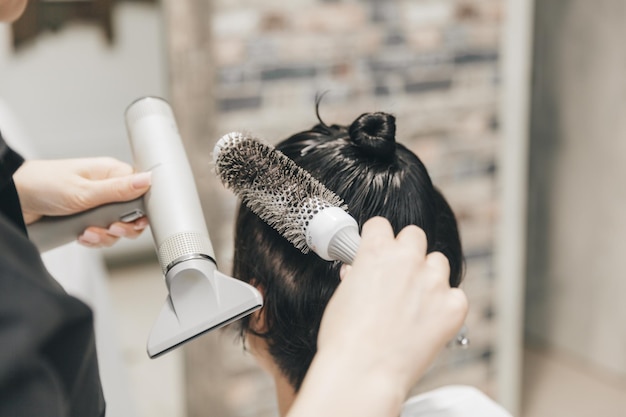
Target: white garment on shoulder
[{"x": 453, "y": 401}]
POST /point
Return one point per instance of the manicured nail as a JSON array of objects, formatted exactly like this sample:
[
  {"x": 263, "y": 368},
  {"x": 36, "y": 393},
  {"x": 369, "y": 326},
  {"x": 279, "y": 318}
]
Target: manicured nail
[
  {"x": 117, "y": 231},
  {"x": 140, "y": 224},
  {"x": 90, "y": 237},
  {"x": 141, "y": 180}
]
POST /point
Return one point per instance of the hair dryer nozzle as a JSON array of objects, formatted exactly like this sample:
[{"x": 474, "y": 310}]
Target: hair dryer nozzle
[{"x": 200, "y": 299}]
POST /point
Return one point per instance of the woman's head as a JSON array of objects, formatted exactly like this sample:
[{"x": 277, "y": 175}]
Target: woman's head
[{"x": 375, "y": 176}]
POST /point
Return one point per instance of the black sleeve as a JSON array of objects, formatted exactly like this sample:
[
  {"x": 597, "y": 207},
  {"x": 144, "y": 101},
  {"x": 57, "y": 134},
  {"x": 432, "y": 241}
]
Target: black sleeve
[
  {"x": 10, "y": 161},
  {"x": 48, "y": 365}
]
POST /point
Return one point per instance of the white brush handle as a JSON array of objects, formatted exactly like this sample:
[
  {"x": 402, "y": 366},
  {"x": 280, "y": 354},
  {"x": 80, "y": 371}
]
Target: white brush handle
[
  {"x": 334, "y": 235},
  {"x": 172, "y": 203},
  {"x": 52, "y": 231}
]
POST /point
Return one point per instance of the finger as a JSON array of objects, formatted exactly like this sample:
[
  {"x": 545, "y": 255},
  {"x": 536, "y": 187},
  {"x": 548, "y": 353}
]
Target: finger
[
  {"x": 116, "y": 189},
  {"x": 100, "y": 168},
  {"x": 377, "y": 228},
  {"x": 140, "y": 224},
  {"x": 128, "y": 230},
  {"x": 440, "y": 263},
  {"x": 96, "y": 237},
  {"x": 458, "y": 303},
  {"x": 344, "y": 271},
  {"x": 456, "y": 309},
  {"x": 413, "y": 237},
  {"x": 376, "y": 236}
]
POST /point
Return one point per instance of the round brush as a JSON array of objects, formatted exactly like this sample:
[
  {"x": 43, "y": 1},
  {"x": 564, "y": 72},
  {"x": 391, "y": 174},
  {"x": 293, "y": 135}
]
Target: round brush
[{"x": 286, "y": 197}]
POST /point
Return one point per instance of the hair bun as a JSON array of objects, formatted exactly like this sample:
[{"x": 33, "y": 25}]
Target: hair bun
[{"x": 375, "y": 134}]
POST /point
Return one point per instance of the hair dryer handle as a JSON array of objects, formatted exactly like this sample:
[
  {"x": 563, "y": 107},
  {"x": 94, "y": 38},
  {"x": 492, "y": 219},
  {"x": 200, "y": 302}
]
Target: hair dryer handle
[
  {"x": 52, "y": 231},
  {"x": 172, "y": 203}
]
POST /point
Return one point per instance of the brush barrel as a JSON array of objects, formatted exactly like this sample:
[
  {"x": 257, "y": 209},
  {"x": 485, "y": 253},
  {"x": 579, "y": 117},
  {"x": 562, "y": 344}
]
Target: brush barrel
[{"x": 172, "y": 203}]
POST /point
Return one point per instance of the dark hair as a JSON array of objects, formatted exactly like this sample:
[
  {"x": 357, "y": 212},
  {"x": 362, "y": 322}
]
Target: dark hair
[{"x": 375, "y": 176}]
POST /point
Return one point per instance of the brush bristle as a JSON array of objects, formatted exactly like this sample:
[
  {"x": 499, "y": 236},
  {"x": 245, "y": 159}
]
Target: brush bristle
[{"x": 273, "y": 187}]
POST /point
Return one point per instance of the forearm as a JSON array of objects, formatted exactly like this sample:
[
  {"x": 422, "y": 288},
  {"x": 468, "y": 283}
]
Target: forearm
[{"x": 344, "y": 386}]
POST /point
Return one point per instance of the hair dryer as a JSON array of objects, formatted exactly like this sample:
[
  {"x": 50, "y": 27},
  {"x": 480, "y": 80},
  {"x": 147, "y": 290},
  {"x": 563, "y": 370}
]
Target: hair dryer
[{"x": 200, "y": 297}]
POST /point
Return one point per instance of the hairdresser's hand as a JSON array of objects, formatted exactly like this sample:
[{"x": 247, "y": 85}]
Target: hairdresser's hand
[
  {"x": 395, "y": 304},
  {"x": 62, "y": 187},
  {"x": 389, "y": 318}
]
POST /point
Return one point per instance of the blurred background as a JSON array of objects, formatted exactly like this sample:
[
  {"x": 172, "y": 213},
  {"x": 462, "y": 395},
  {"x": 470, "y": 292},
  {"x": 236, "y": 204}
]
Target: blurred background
[{"x": 516, "y": 107}]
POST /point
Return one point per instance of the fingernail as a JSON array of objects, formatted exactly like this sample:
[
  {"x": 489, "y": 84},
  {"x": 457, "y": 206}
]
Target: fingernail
[
  {"x": 117, "y": 231},
  {"x": 90, "y": 237},
  {"x": 140, "y": 224},
  {"x": 141, "y": 180}
]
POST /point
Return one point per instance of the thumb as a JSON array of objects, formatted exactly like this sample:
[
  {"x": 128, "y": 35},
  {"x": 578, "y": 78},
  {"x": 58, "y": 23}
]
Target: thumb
[
  {"x": 117, "y": 189},
  {"x": 343, "y": 272}
]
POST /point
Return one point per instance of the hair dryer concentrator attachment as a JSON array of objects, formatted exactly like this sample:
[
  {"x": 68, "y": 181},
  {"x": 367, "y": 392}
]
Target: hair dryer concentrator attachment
[{"x": 200, "y": 297}]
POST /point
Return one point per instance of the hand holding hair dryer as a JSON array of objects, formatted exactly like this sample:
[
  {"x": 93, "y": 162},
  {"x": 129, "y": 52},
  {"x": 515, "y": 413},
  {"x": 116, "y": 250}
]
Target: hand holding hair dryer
[{"x": 200, "y": 297}]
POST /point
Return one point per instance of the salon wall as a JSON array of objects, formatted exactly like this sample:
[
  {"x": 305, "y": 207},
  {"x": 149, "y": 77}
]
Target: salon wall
[
  {"x": 69, "y": 88},
  {"x": 435, "y": 65},
  {"x": 576, "y": 280}
]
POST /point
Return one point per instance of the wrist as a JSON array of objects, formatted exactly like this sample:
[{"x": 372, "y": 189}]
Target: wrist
[
  {"x": 341, "y": 383},
  {"x": 377, "y": 360},
  {"x": 28, "y": 215},
  {"x": 30, "y": 218}
]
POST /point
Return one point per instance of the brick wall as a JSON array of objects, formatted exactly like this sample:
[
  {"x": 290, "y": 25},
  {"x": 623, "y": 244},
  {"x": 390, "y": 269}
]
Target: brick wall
[{"x": 434, "y": 65}]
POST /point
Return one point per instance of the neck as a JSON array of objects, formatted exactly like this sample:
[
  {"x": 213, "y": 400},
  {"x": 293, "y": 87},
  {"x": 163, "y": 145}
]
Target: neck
[{"x": 285, "y": 394}]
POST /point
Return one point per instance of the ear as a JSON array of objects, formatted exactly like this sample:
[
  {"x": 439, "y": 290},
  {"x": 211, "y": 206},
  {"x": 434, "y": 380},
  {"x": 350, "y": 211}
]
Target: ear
[{"x": 257, "y": 319}]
